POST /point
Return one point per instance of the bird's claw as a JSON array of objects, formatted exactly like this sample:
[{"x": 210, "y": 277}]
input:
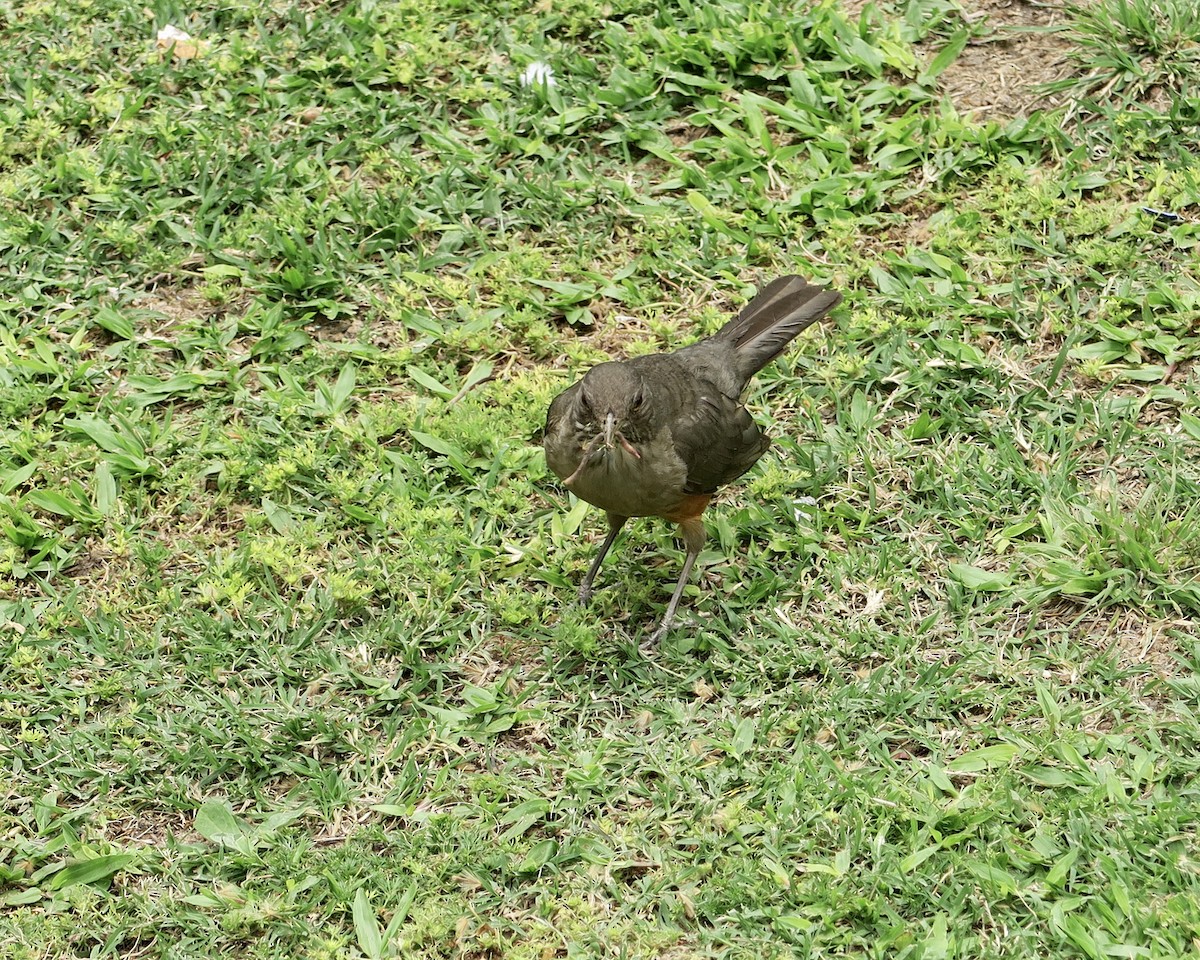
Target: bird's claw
[
  {"x": 587, "y": 591},
  {"x": 654, "y": 641}
]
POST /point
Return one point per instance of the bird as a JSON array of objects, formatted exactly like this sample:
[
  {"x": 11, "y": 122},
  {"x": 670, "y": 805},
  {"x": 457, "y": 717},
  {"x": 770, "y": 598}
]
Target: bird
[{"x": 657, "y": 435}]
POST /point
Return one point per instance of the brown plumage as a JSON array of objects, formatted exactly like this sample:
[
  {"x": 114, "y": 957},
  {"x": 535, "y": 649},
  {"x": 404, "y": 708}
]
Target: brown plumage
[{"x": 658, "y": 435}]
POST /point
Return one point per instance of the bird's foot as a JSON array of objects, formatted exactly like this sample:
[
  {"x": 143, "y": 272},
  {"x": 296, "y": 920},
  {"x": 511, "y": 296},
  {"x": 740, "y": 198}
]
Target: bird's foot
[
  {"x": 587, "y": 591},
  {"x": 654, "y": 641}
]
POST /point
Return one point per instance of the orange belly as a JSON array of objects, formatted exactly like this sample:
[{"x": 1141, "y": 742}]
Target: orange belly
[{"x": 690, "y": 507}]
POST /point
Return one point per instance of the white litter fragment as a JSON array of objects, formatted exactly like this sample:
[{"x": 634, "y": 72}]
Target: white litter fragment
[
  {"x": 538, "y": 72},
  {"x": 179, "y": 42},
  {"x": 172, "y": 34}
]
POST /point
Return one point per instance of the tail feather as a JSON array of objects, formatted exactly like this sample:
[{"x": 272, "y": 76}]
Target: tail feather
[{"x": 769, "y": 322}]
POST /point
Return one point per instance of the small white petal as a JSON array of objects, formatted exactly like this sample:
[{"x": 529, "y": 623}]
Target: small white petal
[
  {"x": 171, "y": 33},
  {"x": 538, "y": 72}
]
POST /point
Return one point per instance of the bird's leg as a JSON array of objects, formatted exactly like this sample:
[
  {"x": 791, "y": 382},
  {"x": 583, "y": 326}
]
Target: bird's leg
[
  {"x": 615, "y": 523},
  {"x": 692, "y": 531}
]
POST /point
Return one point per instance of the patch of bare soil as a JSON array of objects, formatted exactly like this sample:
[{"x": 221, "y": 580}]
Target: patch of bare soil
[
  {"x": 1135, "y": 642},
  {"x": 997, "y": 75},
  {"x": 181, "y": 304},
  {"x": 149, "y": 828}
]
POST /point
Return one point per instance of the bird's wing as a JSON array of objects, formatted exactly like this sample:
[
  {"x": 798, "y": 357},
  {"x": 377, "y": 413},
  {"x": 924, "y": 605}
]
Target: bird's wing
[
  {"x": 716, "y": 438},
  {"x": 560, "y": 439},
  {"x": 560, "y": 407},
  {"x": 710, "y": 431}
]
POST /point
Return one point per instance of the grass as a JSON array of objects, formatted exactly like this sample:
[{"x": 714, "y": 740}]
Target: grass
[
  {"x": 1131, "y": 50},
  {"x": 291, "y": 666}
]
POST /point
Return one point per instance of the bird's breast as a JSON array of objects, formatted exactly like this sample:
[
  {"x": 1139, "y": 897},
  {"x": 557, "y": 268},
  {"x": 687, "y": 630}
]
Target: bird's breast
[{"x": 649, "y": 484}]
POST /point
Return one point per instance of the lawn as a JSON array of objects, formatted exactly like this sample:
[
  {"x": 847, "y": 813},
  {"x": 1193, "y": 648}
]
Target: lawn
[{"x": 292, "y": 665}]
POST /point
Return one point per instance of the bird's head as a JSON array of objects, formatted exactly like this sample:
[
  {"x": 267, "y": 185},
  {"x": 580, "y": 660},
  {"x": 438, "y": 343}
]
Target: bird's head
[{"x": 613, "y": 406}]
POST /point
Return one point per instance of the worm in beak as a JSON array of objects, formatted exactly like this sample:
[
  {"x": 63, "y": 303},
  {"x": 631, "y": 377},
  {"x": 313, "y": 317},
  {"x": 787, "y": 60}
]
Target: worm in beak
[{"x": 612, "y": 433}]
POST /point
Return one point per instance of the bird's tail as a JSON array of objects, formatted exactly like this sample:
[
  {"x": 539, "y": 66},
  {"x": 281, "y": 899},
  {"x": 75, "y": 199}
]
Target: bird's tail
[{"x": 769, "y": 322}]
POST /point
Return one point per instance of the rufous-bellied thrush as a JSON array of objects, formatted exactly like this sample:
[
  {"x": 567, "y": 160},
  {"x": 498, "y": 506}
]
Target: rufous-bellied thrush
[{"x": 656, "y": 436}]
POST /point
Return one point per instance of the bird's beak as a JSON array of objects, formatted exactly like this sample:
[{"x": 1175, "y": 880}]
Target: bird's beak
[{"x": 610, "y": 426}]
